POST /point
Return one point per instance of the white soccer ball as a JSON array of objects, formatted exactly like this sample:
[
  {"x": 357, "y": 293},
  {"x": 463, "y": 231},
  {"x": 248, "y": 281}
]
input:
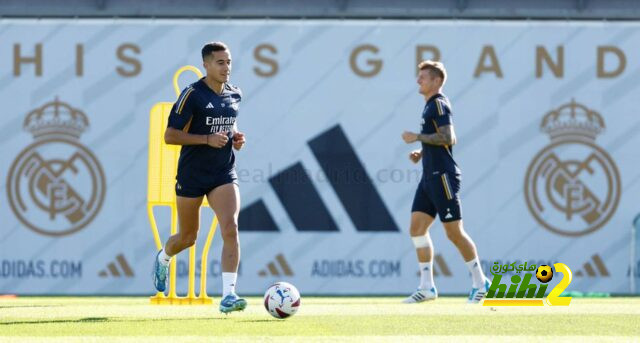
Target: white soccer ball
[{"x": 282, "y": 300}]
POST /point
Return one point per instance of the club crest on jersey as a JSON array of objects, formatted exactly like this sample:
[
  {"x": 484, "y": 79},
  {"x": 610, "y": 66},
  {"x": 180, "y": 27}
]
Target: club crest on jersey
[
  {"x": 572, "y": 186},
  {"x": 56, "y": 185}
]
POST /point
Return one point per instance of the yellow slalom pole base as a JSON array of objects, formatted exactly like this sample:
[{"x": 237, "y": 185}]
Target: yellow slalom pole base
[
  {"x": 190, "y": 299},
  {"x": 161, "y": 299}
]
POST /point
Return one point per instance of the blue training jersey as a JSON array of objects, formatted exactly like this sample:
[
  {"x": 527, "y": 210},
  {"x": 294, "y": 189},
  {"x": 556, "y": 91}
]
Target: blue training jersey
[
  {"x": 200, "y": 110},
  {"x": 437, "y": 159}
]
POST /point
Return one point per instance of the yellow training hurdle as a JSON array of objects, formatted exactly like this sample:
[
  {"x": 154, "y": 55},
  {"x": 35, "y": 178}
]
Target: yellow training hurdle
[{"x": 163, "y": 164}]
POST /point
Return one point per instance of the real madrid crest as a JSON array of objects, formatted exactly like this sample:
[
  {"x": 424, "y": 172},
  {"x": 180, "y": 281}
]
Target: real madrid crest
[
  {"x": 56, "y": 185},
  {"x": 572, "y": 186}
]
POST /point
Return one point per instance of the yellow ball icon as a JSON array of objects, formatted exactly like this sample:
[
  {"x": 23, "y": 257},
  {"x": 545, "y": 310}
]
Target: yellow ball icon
[{"x": 544, "y": 273}]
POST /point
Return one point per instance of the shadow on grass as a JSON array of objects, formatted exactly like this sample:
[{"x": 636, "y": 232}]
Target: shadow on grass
[
  {"x": 260, "y": 321},
  {"x": 104, "y": 319},
  {"x": 81, "y": 320},
  {"x": 21, "y": 306}
]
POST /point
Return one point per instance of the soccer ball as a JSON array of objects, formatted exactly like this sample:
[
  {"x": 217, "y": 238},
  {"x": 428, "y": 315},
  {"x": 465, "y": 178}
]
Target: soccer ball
[
  {"x": 282, "y": 300},
  {"x": 544, "y": 273}
]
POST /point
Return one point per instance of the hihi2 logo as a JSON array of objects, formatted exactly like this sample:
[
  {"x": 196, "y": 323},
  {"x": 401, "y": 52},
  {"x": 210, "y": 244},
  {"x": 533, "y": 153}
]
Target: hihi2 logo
[
  {"x": 572, "y": 186},
  {"x": 521, "y": 287},
  {"x": 56, "y": 186}
]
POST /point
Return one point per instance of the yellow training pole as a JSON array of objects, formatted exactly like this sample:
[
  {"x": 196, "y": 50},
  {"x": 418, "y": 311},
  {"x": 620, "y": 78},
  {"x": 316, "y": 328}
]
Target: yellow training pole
[
  {"x": 176, "y": 87},
  {"x": 172, "y": 267},
  {"x": 154, "y": 227},
  {"x": 205, "y": 256},
  {"x": 156, "y": 238},
  {"x": 191, "y": 293}
]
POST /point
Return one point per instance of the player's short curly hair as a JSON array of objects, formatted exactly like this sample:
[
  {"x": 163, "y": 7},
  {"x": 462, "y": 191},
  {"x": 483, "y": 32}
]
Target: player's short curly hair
[
  {"x": 212, "y": 47},
  {"x": 435, "y": 68}
]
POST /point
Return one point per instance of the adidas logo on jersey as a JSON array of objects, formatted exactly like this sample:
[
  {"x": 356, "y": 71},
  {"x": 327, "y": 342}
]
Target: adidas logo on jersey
[
  {"x": 448, "y": 214},
  {"x": 210, "y": 105}
]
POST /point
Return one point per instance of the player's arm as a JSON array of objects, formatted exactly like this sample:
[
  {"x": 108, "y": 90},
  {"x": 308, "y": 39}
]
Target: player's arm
[
  {"x": 442, "y": 120},
  {"x": 445, "y": 136},
  {"x": 180, "y": 137},
  {"x": 415, "y": 155},
  {"x": 177, "y": 132},
  {"x": 238, "y": 137}
]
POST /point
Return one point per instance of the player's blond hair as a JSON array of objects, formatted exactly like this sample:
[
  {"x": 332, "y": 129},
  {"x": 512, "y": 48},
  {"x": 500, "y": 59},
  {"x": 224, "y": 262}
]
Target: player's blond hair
[{"x": 435, "y": 68}]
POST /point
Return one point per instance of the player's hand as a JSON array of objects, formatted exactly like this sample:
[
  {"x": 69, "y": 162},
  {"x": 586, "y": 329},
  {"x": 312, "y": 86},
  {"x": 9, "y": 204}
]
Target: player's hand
[
  {"x": 409, "y": 137},
  {"x": 415, "y": 156},
  {"x": 217, "y": 140},
  {"x": 238, "y": 140}
]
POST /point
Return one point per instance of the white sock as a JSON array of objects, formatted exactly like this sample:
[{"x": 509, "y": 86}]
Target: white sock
[
  {"x": 477, "y": 276},
  {"x": 426, "y": 275},
  {"x": 163, "y": 258},
  {"x": 229, "y": 283}
]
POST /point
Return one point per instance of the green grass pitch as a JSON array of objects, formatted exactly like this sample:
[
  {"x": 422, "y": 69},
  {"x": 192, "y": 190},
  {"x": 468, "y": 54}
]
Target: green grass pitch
[{"x": 320, "y": 319}]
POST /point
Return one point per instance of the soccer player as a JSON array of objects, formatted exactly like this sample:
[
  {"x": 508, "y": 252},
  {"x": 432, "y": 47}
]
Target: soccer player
[
  {"x": 439, "y": 188},
  {"x": 203, "y": 121}
]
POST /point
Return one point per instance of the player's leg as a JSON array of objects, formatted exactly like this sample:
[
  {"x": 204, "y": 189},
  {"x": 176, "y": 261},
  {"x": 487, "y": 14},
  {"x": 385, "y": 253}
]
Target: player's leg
[
  {"x": 422, "y": 216},
  {"x": 456, "y": 234},
  {"x": 419, "y": 231},
  {"x": 446, "y": 193},
  {"x": 225, "y": 202},
  {"x": 188, "y": 225},
  {"x": 459, "y": 237},
  {"x": 188, "y": 209},
  {"x": 467, "y": 248}
]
